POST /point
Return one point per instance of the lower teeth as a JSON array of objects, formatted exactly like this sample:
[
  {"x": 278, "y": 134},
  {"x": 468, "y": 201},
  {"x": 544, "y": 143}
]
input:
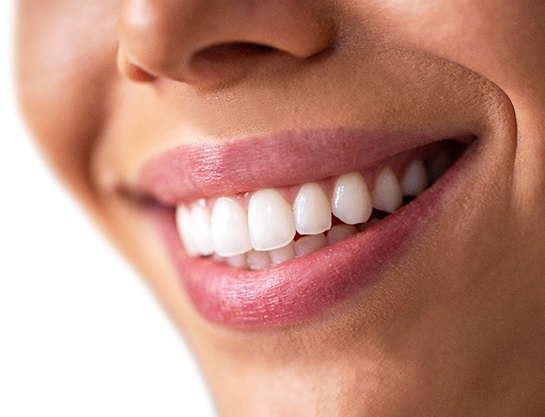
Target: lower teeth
[{"x": 297, "y": 248}]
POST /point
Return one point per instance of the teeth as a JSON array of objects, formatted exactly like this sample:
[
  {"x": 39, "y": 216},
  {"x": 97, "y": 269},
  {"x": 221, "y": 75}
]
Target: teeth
[
  {"x": 270, "y": 220},
  {"x": 263, "y": 235},
  {"x": 365, "y": 226},
  {"x": 229, "y": 227},
  {"x": 200, "y": 229},
  {"x": 311, "y": 210},
  {"x": 183, "y": 223},
  {"x": 387, "y": 195},
  {"x": 237, "y": 261},
  {"x": 415, "y": 179},
  {"x": 339, "y": 232},
  {"x": 287, "y": 253},
  {"x": 309, "y": 244},
  {"x": 351, "y": 201},
  {"x": 258, "y": 260}
]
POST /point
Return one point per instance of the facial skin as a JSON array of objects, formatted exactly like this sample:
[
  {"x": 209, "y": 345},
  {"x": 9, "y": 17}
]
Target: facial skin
[{"x": 456, "y": 325}]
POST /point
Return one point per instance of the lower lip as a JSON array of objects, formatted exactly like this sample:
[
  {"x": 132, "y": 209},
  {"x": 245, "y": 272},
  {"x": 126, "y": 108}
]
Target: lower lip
[{"x": 303, "y": 288}]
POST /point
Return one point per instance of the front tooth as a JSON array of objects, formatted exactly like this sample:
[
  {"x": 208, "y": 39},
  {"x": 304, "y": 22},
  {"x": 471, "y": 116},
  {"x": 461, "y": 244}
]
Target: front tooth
[
  {"x": 229, "y": 228},
  {"x": 387, "y": 194},
  {"x": 270, "y": 220},
  {"x": 183, "y": 223},
  {"x": 351, "y": 200},
  {"x": 200, "y": 230},
  {"x": 415, "y": 179},
  {"x": 309, "y": 244},
  {"x": 311, "y": 210}
]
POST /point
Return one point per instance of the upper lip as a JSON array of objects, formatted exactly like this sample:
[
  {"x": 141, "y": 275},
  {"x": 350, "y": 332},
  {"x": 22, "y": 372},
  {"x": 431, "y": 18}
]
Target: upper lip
[{"x": 280, "y": 159}]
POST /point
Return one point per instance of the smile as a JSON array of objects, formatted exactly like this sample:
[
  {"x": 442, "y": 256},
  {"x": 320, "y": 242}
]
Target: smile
[
  {"x": 274, "y": 239},
  {"x": 260, "y": 229}
]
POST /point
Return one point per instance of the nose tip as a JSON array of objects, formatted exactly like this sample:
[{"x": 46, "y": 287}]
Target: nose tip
[{"x": 203, "y": 41}]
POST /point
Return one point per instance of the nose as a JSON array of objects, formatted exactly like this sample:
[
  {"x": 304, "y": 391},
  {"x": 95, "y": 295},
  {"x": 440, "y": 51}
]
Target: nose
[{"x": 202, "y": 42}]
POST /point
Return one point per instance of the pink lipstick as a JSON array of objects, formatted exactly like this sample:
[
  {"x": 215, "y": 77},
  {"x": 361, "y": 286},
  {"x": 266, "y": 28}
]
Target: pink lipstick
[{"x": 301, "y": 288}]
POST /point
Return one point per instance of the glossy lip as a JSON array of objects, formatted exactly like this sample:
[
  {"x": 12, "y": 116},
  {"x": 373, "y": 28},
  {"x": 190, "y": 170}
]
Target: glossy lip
[
  {"x": 281, "y": 159},
  {"x": 300, "y": 289}
]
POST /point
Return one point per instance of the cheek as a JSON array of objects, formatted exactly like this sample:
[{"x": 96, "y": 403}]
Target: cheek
[
  {"x": 499, "y": 39},
  {"x": 503, "y": 41},
  {"x": 65, "y": 71}
]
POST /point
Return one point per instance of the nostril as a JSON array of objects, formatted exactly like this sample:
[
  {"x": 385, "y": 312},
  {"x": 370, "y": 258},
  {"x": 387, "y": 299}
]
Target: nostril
[
  {"x": 224, "y": 63},
  {"x": 210, "y": 43},
  {"x": 232, "y": 50}
]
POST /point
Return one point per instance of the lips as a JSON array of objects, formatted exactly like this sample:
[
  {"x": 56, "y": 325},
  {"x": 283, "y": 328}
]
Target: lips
[
  {"x": 271, "y": 167},
  {"x": 271, "y": 226}
]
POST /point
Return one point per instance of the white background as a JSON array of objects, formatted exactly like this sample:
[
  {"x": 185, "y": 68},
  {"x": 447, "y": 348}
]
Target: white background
[{"x": 79, "y": 333}]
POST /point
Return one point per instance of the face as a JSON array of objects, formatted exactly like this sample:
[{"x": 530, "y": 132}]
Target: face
[{"x": 340, "y": 203}]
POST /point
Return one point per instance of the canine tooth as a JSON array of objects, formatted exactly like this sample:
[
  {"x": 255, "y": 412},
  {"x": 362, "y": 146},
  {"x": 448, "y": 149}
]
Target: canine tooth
[
  {"x": 237, "y": 261},
  {"x": 339, "y": 232},
  {"x": 283, "y": 254},
  {"x": 311, "y": 210},
  {"x": 309, "y": 244},
  {"x": 415, "y": 179},
  {"x": 258, "y": 260},
  {"x": 229, "y": 228},
  {"x": 387, "y": 194},
  {"x": 200, "y": 230},
  {"x": 351, "y": 200},
  {"x": 183, "y": 223},
  {"x": 270, "y": 221}
]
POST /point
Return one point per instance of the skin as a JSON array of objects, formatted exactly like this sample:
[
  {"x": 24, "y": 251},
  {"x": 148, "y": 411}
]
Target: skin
[{"x": 454, "y": 329}]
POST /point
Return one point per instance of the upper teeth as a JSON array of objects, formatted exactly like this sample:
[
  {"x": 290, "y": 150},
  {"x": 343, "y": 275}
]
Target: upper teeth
[
  {"x": 311, "y": 210},
  {"x": 263, "y": 233},
  {"x": 270, "y": 221},
  {"x": 351, "y": 200}
]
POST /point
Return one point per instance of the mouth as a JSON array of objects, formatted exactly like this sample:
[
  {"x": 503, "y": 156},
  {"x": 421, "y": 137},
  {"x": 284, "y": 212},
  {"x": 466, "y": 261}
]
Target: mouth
[{"x": 274, "y": 231}]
